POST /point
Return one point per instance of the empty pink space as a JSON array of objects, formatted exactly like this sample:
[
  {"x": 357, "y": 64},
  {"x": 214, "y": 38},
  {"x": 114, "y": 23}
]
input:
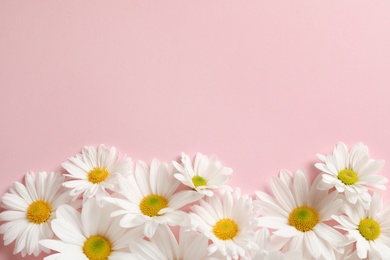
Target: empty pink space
[{"x": 264, "y": 85}]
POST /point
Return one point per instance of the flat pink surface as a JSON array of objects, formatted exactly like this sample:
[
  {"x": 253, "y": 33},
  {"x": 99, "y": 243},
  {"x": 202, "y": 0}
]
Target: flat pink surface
[{"x": 264, "y": 85}]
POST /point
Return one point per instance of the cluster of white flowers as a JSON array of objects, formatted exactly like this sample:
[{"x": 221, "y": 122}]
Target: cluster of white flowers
[{"x": 105, "y": 207}]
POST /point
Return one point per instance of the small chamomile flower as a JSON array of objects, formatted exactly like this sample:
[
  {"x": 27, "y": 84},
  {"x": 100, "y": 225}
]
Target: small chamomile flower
[
  {"x": 370, "y": 229},
  {"x": 150, "y": 199},
  {"x": 29, "y": 210},
  {"x": 352, "y": 173},
  {"x": 228, "y": 220},
  {"x": 89, "y": 235},
  {"x": 95, "y": 171},
  {"x": 298, "y": 213},
  {"x": 206, "y": 175}
]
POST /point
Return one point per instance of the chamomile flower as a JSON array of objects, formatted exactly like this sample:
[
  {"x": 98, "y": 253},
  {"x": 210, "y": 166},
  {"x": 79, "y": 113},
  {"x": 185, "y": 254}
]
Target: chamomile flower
[
  {"x": 351, "y": 172},
  {"x": 370, "y": 229},
  {"x": 298, "y": 212},
  {"x": 150, "y": 198},
  {"x": 228, "y": 220},
  {"x": 93, "y": 172},
  {"x": 91, "y": 235},
  {"x": 266, "y": 251},
  {"x": 164, "y": 246},
  {"x": 30, "y": 209},
  {"x": 206, "y": 174}
]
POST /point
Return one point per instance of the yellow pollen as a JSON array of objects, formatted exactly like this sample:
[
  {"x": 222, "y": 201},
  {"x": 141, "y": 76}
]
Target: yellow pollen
[
  {"x": 38, "y": 212},
  {"x": 369, "y": 229},
  {"x": 199, "y": 181},
  {"x": 97, "y": 248},
  {"x": 303, "y": 218},
  {"x": 225, "y": 229},
  {"x": 97, "y": 175},
  {"x": 348, "y": 177},
  {"x": 152, "y": 204}
]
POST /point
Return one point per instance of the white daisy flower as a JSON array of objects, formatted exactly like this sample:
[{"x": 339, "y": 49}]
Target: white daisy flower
[
  {"x": 228, "y": 220},
  {"x": 297, "y": 213},
  {"x": 351, "y": 172},
  {"x": 205, "y": 175},
  {"x": 164, "y": 246},
  {"x": 91, "y": 235},
  {"x": 266, "y": 250},
  {"x": 150, "y": 199},
  {"x": 30, "y": 209},
  {"x": 95, "y": 171},
  {"x": 370, "y": 229}
]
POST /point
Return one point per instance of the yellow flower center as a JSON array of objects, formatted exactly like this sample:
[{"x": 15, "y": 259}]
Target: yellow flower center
[
  {"x": 151, "y": 205},
  {"x": 303, "y": 218},
  {"x": 97, "y": 248},
  {"x": 97, "y": 175},
  {"x": 199, "y": 181},
  {"x": 369, "y": 229},
  {"x": 348, "y": 177},
  {"x": 225, "y": 229},
  {"x": 38, "y": 212}
]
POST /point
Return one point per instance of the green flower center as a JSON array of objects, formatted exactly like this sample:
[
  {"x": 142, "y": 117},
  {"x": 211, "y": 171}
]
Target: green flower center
[
  {"x": 199, "y": 181},
  {"x": 152, "y": 204},
  {"x": 225, "y": 229},
  {"x": 303, "y": 218},
  {"x": 97, "y": 248},
  {"x": 38, "y": 212},
  {"x": 369, "y": 229},
  {"x": 97, "y": 175},
  {"x": 348, "y": 177}
]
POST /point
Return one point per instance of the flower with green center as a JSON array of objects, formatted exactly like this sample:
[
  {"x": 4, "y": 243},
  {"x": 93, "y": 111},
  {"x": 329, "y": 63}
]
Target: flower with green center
[
  {"x": 95, "y": 171},
  {"x": 298, "y": 213},
  {"x": 92, "y": 234},
  {"x": 97, "y": 248},
  {"x": 38, "y": 212},
  {"x": 368, "y": 229},
  {"x": 228, "y": 220},
  {"x": 149, "y": 199},
  {"x": 303, "y": 218},
  {"x": 29, "y": 210},
  {"x": 351, "y": 172},
  {"x": 207, "y": 174}
]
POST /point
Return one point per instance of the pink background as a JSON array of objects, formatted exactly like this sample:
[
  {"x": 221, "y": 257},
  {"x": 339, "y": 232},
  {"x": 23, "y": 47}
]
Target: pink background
[{"x": 264, "y": 85}]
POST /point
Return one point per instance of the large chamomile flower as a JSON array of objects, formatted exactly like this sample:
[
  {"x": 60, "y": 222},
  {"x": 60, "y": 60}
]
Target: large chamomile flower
[
  {"x": 30, "y": 209},
  {"x": 206, "y": 174},
  {"x": 351, "y": 172},
  {"x": 370, "y": 229},
  {"x": 266, "y": 250},
  {"x": 150, "y": 198},
  {"x": 95, "y": 171},
  {"x": 298, "y": 212},
  {"x": 228, "y": 220},
  {"x": 91, "y": 235},
  {"x": 164, "y": 246}
]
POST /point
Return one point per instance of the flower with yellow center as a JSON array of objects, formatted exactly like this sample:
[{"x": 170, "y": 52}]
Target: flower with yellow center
[
  {"x": 91, "y": 234},
  {"x": 149, "y": 198},
  {"x": 298, "y": 212},
  {"x": 207, "y": 174},
  {"x": 95, "y": 171},
  {"x": 352, "y": 173},
  {"x": 369, "y": 229},
  {"x": 228, "y": 220},
  {"x": 29, "y": 210}
]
